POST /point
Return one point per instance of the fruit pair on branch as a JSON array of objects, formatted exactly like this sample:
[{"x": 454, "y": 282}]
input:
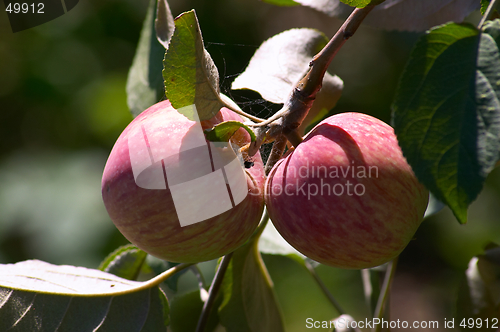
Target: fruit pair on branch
[{"x": 344, "y": 195}]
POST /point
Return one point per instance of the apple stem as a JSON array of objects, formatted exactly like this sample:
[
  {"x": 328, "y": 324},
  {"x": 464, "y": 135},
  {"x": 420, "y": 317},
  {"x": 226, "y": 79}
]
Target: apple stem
[
  {"x": 384, "y": 293},
  {"x": 276, "y": 153},
  {"x": 213, "y": 291}
]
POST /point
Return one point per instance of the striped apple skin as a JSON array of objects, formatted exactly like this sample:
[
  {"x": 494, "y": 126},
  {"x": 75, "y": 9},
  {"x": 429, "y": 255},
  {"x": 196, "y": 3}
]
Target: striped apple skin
[
  {"x": 148, "y": 218},
  {"x": 346, "y": 197}
]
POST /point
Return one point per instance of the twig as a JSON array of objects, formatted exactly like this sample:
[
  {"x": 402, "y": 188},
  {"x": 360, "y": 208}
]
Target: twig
[
  {"x": 384, "y": 292},
  {"x": 212, "y": 293},
  {"x": 245, "y": 114},
  {"x": 229, "y": 103},
  {"x": 487, "y": 13},
  {"x": 312, "y": 81},
  {"x": 300, "y": 101}
]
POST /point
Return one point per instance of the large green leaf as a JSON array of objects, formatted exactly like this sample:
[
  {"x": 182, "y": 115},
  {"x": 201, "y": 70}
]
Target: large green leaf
[
  {"x": 145, "y": 82},
  {"x": 125, "y": 262},
  {"x": 191, "y": 77},
  {"x": 38, "y": 296},
  {"x": 249, "y": 302},
  {"x": 446, "y": 113}
]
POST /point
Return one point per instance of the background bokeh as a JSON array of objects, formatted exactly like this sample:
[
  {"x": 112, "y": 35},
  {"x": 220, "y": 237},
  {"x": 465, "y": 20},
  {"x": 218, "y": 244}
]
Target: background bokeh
[{"x": 63, "y": 104}]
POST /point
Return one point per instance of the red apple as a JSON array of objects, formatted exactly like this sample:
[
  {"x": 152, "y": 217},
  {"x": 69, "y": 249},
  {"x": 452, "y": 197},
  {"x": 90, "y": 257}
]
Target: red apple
[
  {"x": 346, "y": 197},
  {"x": 164, "y": 188}
]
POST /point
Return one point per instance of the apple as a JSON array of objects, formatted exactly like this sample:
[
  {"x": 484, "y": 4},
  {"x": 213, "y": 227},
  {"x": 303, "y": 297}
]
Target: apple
[
  {"x": 152, "y": 190},
  {"x": 346, "y": 196}
]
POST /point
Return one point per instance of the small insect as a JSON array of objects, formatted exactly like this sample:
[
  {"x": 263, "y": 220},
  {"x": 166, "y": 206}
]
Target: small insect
[{"x": 249, "y": 164}]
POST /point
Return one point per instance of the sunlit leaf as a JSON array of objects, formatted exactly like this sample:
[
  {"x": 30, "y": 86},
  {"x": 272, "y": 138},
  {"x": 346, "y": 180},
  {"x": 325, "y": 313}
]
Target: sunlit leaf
[
  {"x": 190, "y": 75},
  {"x": 484, "y": 6},
  {"x": 145, "y": 82},
  {"x": 271, "y": 242},
  {"x": 281, "y": 61},
  {"x": 446, "y": 113},
  {"x": 36, "y": 296},
  {"x": 361, "y": 3},
  {"x": 125, "y": 262},
  {"x": 285, "y": 3}
]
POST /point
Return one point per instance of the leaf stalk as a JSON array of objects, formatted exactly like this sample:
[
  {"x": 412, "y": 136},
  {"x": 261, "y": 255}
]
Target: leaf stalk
[
  {"x": 487, "y": 14},
  {"x": 384, "y": 293}
]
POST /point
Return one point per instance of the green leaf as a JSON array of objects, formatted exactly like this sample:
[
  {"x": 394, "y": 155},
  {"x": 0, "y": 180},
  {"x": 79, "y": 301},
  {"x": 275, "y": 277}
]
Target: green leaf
[
  {"x": 446, "y": 113},
  {"x": 361, "y": 3},
  {"x": 190, "y": 75},
  {"x": 164, "y": 23},
  {"x": 285, "y": 3},
  {"x": 281, "y": 61},
  {"x": 145, "y": 82},
  {"x": 249, "y": 302},
  {"x": 185, "y": 310},
  {"x": 484, "y": 6},
  {"x": 479, "y": 294},
  {"x": 225, "y": 130},
  {"x": 68, "y": 298},
  {"x": 125, "y": 262}
]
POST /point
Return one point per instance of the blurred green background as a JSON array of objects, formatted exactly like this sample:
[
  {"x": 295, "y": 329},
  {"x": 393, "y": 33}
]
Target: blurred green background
[{"x": 63, "y": 104}]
